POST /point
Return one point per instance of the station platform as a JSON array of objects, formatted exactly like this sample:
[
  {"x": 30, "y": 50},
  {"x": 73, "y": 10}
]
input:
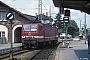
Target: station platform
[
  {"x": 77, "y": 50},
  {"x": 5, "y": 46}
]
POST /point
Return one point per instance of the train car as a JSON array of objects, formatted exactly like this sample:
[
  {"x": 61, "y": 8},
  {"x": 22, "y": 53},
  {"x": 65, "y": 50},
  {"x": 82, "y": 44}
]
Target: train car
[{"x": 38, "y": 34}]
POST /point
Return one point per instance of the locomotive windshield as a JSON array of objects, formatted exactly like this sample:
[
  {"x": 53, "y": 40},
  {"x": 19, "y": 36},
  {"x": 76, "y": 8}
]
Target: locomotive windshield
[
  {"x": 33, "y": 28},
  {"x": 29, "y": 28},
  {"x": 26, "y": 28}
]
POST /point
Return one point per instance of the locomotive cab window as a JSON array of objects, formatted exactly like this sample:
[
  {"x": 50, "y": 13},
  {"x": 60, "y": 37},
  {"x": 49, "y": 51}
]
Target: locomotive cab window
[
  {"x": 26, "y": 28},
  {"x": 33, "y": 28},
  {"x": 29, "y": 28}
]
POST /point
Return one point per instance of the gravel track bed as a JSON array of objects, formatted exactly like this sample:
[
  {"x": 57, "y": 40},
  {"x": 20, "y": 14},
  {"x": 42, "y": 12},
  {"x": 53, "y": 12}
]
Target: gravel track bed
[
  {"x": 23, "y": 56},
  {"x": 44, "y": 54}
]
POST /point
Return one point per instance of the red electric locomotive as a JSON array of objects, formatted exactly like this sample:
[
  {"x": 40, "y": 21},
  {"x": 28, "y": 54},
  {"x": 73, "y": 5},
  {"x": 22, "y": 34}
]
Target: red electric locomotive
[{"x": 38, "y": 34}]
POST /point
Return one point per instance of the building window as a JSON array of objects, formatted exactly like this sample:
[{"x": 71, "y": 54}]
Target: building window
[
  {"x": 3, "y": 16},
  {"x": 2, "y": 34}
]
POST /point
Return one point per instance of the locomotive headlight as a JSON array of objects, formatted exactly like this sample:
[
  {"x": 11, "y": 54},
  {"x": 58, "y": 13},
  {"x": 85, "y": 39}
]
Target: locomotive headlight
[
  {"x": 23, "y": 36},
  {"x": 56, "y": 35}
]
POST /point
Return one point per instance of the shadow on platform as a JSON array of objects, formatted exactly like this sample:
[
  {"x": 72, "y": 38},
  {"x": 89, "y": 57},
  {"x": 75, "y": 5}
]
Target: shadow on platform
[{"x": 82, "y": 54}]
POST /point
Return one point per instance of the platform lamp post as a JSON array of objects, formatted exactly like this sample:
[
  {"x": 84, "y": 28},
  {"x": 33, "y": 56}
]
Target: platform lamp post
[
  {"x": 85, "y": 28},
  {"x": 66, "y": 21},
  {"x": 10, "y": 17}
]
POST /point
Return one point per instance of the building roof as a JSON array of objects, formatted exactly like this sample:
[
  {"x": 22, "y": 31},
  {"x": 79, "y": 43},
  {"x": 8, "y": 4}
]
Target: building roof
[
  {"x": 10, "y": 8},
  {"x": 30, "y": 16},
  {"x": 82, "y": 5}
]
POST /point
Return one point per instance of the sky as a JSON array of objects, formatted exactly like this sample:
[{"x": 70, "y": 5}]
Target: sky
[{"x": 30, "y": 7}]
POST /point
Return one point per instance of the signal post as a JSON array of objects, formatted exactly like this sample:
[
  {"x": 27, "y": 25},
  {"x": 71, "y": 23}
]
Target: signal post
[
  {"x": 10, "y": 17},
  {"x": 65, "y": 21}
]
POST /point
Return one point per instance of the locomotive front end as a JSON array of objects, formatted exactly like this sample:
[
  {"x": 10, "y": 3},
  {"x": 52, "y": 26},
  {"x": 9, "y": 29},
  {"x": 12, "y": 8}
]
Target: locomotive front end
[{"x": 30, "y": 35}]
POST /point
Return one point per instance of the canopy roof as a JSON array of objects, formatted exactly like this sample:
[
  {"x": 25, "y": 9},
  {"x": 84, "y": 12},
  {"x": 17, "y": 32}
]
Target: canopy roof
[{"x": 82, "y": 5}]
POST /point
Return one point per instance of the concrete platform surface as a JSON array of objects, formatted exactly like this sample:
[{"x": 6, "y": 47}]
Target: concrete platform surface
[
  {"x": 77, "y": 50},
  {"x": 5, "y": 46}
]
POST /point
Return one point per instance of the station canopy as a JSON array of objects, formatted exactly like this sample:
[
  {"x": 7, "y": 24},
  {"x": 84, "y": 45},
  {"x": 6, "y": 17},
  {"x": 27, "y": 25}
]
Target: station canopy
[{"x": 82, "y": 5}]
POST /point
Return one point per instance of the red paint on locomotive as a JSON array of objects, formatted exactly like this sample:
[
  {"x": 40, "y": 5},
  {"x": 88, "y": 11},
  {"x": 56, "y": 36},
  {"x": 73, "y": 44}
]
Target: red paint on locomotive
[{"x": 38, "y": 32}]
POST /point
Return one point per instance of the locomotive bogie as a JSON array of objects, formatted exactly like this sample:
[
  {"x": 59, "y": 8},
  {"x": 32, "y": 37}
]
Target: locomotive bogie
[
  {"x": 25, "y": 44},
  {"x": 29, "y": 44}
]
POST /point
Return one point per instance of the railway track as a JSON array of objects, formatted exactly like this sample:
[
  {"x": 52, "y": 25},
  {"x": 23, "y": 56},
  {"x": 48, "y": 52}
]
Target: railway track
[
  {"x": 20, "y": 55},
  {"x": 32, "y": 54},
  {"x": 44, "y": 54},
  {"x": 14, "y": 53}
]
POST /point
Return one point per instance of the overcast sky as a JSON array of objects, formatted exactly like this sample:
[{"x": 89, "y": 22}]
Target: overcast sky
[{"x": 31, "y": 7}]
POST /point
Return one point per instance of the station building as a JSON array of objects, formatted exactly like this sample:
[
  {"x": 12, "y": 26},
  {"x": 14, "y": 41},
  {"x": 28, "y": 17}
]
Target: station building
[
  {"x": 20, "y": 19},
  {"x": 16, "y": 26}
]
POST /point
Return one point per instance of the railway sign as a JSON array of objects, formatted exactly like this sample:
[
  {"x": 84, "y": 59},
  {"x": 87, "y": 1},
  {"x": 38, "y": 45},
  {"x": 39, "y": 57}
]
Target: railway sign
[
  {"x": 66, "y": 19},
  {"x": 10, "y": 16},
  {"x": 67, "y": 13}
]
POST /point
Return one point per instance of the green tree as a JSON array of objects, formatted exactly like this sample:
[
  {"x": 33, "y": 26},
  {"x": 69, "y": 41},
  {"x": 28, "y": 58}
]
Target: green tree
[
  {"x": 74, "y": 24},
  {"x": 57, "y": 22},
  {"x": 62, "y": 27}
]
